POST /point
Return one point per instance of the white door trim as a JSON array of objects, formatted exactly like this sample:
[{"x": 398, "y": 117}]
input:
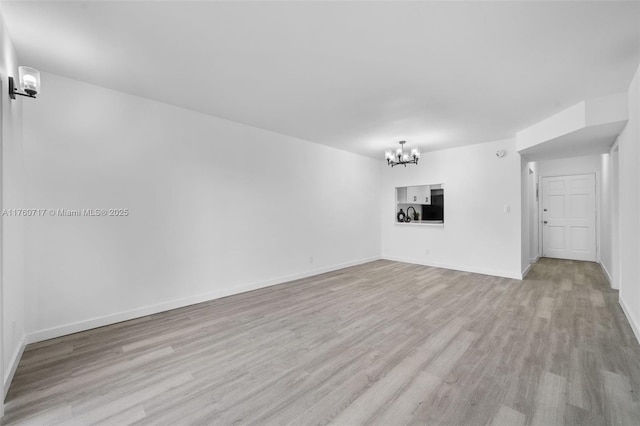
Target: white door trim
[{"x": 2, "y": 99}]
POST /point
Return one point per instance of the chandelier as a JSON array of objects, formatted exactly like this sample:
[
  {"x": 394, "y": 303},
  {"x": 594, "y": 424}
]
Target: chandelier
[{"x": 399, "y": 157}]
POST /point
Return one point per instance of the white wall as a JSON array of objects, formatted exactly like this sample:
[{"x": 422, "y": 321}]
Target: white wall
[
  {"x": 12, "y": 228},
  {"x": 570, "y": 166},
  {"x": 216, "y": 207},
  {"x": 526, "y": 217},
  {"x": 567, "y": 131},
  {"x": 567, "y": 121},
  {"x": 629, "y": 196},
  {"x": 606, "y": 213},
  {"x": 614, "y": 171},
  {"x": 477, "y": 236}
]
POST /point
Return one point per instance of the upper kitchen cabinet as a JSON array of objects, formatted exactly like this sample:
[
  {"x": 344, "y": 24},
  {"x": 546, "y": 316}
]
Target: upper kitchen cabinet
[{"x": 418, "y": 194}]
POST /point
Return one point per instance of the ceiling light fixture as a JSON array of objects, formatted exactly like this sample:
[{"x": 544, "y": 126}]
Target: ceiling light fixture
[
  {"x": 399, "y": 157},
  {"x": 29, "y": 83}
]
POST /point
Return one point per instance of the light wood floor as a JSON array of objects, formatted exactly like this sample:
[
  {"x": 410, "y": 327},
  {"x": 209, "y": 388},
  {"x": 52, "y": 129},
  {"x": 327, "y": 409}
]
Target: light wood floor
[{"x": 383, "y": 343}]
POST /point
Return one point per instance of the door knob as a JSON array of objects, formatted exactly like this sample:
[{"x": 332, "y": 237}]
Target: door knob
[
  {"x": 545, "y": 222},
  {"x": 545, "y": 210}
]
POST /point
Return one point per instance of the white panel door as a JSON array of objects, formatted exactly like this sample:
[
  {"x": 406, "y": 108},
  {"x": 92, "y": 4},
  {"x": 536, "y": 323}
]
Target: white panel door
[{"x": 569, "y": 217}]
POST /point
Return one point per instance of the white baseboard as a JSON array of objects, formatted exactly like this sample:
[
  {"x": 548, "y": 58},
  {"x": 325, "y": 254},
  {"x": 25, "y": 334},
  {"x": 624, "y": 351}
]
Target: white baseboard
[
  {"x": 607, "y": 274},
  {"x": 13, "y": 366},
  {"x": 631, "y": 319},
  {"x": 526, "y": 271},
  {"x": 528, "y": 268},
  {"x": 88, "y": 324},
  {"x": 484, "y": 271}
]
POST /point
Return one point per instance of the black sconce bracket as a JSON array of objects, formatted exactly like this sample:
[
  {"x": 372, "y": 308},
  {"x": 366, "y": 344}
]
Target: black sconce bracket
[{"x": 13, "y": 92}]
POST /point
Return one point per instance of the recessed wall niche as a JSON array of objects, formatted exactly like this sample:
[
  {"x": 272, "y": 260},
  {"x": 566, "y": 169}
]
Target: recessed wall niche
[{"x": 420, "y": 204}]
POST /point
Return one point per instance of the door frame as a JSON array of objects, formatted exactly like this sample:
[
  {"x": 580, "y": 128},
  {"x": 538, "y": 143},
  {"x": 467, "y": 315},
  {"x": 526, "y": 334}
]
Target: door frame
[
  {"x": 2, "y": 100},
  {"x": 533, "y": 206},
  {"x": 598, "y": 207}
]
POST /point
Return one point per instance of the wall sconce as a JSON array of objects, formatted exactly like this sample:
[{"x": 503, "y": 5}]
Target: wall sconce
[{"x": 29, "y": 83}]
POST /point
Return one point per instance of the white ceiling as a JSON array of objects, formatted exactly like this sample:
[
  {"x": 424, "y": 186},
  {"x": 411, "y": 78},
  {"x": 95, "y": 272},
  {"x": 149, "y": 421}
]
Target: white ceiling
[{"x": 355, "y": 75}]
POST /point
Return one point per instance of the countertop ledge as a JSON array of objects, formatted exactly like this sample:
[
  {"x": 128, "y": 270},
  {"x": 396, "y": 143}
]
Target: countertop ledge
[{"x": 423, "y": 222}]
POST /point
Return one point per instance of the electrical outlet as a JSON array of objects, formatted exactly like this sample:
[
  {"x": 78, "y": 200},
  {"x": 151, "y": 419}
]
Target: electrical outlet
[
  {"x": 311, "y": 259},
  {"x": 427, "y": 252},
  {"x": 507, "y": 208}
]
